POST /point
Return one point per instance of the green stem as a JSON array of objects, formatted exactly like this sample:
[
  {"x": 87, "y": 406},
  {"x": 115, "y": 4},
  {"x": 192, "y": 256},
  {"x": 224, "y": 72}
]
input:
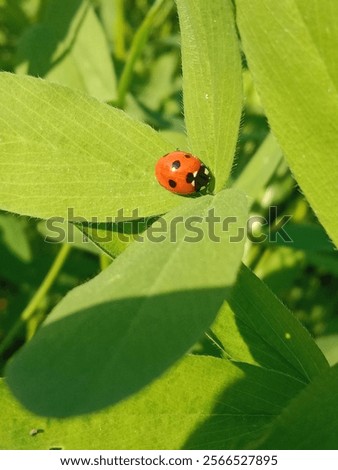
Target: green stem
[
  {"x": 119, "y": 30},
  {"x": 139, "y": 40},
  {"x": 30, "y": 309}
]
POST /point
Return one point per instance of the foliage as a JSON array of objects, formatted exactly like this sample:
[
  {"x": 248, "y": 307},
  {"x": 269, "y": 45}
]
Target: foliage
[{"x": 155, "y": 309}]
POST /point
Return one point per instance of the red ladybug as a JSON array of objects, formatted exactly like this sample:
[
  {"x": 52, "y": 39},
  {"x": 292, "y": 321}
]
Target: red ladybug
[{"x": 181, "y": 173}]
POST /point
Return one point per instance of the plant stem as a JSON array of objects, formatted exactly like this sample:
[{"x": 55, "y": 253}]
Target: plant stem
[
  {"x": 30, "y": 309},
  {"x": 119, "y": 30},
  {"x": 139, "y": 40}
]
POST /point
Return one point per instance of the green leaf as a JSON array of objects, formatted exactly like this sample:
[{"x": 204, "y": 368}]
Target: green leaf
[
  {"x": 329, "y": 346},
  {"x": 212, "y": 82},
  {"x": 311, "y": 419},
  {"x": 138, "y": 316},
  {"x": 315, "y": 15},
  {"x": 255, "y": 327},
  {"x": 66, "y": 232},
  {"x": 260, "y": 169},
  {"x": 175, "y": 138},
  {"x": 113, "y": 239},
  {"x": 64, "y": 154},
  {"x": 69, "y": 47},
  {"x": 245, "y": 409},
  {"x": 13, "y": 233},
  {"x": 299, "y": 96},
  {"x": 218, "y": 404}
]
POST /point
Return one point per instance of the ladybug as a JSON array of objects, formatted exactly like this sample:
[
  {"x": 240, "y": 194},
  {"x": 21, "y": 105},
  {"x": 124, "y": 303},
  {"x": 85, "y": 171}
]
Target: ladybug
[{"x": 181, "y": 173}]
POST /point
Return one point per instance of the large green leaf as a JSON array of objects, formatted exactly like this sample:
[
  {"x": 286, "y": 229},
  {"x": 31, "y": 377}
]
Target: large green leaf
[
  {"x": 61, "y": 150},
  {"x": 255, "y": 327},
  {"x": 311, "y": 419},
  {"x": 69, "y": 47},
  {"x": 212, "y": 82},
  {"x": 217, "y": 404},
  {"x": 291, "y": 48},
  {"x": 113, "y": 335},
  {"x": 320, "y": 18}
]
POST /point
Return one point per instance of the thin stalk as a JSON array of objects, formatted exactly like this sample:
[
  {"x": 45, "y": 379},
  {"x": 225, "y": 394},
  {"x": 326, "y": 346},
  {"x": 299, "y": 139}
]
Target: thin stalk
[
  {"x": 119, "y": 30},
  {"x": 139, "y": 40},
  {"x": 30, "y": 309}
]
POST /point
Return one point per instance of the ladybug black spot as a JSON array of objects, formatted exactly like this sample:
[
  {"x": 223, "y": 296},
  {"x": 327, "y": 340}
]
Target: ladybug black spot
[
  {"x": 189, "y": 178},
  {"x": 187, "y": 155},
  {"x": 175, "y": 165},
  {"x": 172, "y": 183},
  {"x": 202, "y": 178}
]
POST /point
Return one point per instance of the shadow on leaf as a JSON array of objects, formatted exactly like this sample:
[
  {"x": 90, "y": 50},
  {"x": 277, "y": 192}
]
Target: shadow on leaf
[{"x": 93, "y": 358}]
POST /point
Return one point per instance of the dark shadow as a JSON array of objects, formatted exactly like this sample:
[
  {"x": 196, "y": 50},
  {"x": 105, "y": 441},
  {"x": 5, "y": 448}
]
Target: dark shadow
[
  {"x": 129, "y": 227},
  {"x": 244, "y": 410},
  {"x": 104, "y": 234},
  {"x": 100, "y": 355},
  {"x": 13, "y": 21}
]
